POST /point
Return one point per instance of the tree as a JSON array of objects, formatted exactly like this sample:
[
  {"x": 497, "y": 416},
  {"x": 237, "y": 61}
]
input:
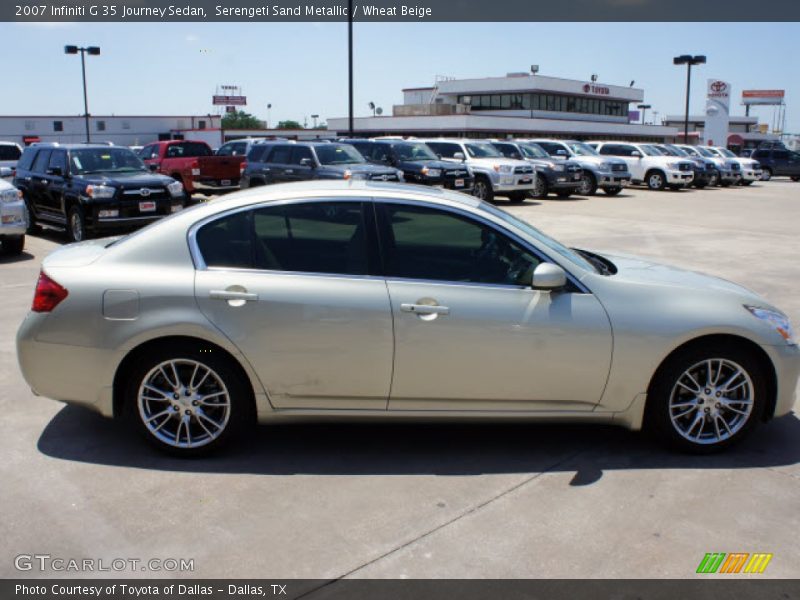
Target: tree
[
  {"x": 289, "y": 125},
  {"x": 241, "y": 120}
]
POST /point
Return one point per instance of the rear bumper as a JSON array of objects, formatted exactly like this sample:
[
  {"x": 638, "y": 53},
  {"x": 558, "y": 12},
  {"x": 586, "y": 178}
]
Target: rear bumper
[{"x": 214, "y": 186}]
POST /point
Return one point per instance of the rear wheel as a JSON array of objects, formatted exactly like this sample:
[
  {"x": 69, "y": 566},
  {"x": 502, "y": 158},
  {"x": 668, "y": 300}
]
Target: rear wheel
[
  {"x": 766, "y": 175},
  {"x": 706, "y": 398},
  {"x": 588, "y": 185},
  {"x": 483, "y": 189},
  {"x": 612, "y": 191},
  {"x": 655, "y": 180},
  {"x": 76, "y": 224},
  {"x": 187, "y": 402},
  {"x": 13, "y": 244}
]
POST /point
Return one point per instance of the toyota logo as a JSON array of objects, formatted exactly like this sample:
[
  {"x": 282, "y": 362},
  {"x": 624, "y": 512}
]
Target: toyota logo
[
  {"x": 144, "y": 192},
  {"x": 586, "y": 88},
  {"x": 719, "y": 86}
]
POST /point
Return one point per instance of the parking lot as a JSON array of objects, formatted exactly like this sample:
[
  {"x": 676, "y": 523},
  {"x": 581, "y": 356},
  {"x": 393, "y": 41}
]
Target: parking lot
[{"x": 418, "y": 501}]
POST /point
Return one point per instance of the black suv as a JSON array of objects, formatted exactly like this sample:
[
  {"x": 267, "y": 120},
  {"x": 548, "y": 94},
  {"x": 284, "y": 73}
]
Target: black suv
[
  {"x": 85, "y": 188},
  {"x": 563, "y": 177},
  {"x": 417, "y": 161},
  {"x": 283, "y": 162},
  {"x": 778, "y": 161}
]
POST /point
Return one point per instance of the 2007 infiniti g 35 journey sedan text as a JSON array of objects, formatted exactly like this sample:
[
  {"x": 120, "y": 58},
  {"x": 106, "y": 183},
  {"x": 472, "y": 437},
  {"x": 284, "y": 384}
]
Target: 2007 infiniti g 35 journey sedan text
[{"x": 387, "y": 300}]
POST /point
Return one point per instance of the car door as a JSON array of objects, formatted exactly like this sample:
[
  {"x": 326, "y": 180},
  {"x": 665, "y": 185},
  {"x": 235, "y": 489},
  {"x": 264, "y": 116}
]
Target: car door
[
  {"x": 301, "y": 165},
  {"x": 290, "y": 285},
  {"x": 38, "y": 184},
  {"x": 276, "y": 163},
  {"x": 625, "y": 152},
  {"x": 470, "y": 332},
  {"x": 52, "y": 195}
]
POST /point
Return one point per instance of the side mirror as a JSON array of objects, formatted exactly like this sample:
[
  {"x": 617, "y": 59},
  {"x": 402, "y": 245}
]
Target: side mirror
[
  {"x": 55, "y": 171},
  {"x": 636, "y": 154},
  {"x": 6, "y": 172},
  {"x": 549, "y": 277},
  {"x": 306, "y": 162},
  {"x": 459, "y": 156},
  {"x": 153, "y": 167}
]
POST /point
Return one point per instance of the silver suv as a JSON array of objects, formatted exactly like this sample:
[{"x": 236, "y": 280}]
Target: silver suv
[
  {"x": 609, "y": 174},
  {"x": 13, "y": 221},
  {"x": 494, "y": 173}
]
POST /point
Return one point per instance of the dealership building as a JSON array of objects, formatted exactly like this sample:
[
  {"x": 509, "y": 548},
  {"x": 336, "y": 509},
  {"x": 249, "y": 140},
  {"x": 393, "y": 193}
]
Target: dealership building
[
  {"x": 519, "y": 104},
  {"x": 743, "y": 132}
]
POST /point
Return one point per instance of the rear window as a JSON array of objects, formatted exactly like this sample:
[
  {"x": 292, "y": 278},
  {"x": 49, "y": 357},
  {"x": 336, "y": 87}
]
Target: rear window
[
  {"x": 9, "y": 152},
  {"x": 188, "y": 149},
  {"x": 26, "y": 161}
]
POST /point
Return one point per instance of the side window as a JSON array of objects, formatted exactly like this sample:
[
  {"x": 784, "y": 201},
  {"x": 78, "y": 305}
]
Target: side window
[
  {"x": 174, "y": 151},
  {"x": 226, "y": 242},
  {"x": 239, "y": 148},
  {"x": 280, "y": 155},
  {"x": 58, "y": 160},
  {"x": 507, "y": 150},
  {"x": 301, "y": 152},
  {"x": 445, "y": 149},
  {"x": 257, "y": 152},
  {"x": 624, "y": 150},
  {"x": 225, "y": 150},
  {"x": 364, "y": 148},
  {"x": 41, "y": 162},
  {"x": 315, "y": 237},
  {"x": 26, "y": 161},
  {"x": 424, "y": 243}
]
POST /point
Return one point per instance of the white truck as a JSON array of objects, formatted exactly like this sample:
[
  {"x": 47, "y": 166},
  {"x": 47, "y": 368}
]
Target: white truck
[
  {"x": 649, "y": 166},
  {"x": 494, "y": 173}
]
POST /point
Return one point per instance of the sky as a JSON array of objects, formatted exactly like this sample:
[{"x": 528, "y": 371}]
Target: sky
[{"x": 301, "y": 68}]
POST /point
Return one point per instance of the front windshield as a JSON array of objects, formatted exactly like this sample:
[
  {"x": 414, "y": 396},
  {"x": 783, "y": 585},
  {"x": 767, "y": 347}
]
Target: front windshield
[
  {"x": 104, "y": 160},
  {"x": 483, "y": 150},
  {"x": 533, "y": 151},
  {"x": 557, "y": 247},
  {"x": 675, "y": 151},
  {"x": 713, "y": 152},
  {"x": 706, "y": 152},
  {"x": 581, "y": 149},
  {"x": 338, "y": 154},
  {"x": 726, "y": 152},
  {"x": 651, "y": 150},
  {"x": 412, "y": 152}
]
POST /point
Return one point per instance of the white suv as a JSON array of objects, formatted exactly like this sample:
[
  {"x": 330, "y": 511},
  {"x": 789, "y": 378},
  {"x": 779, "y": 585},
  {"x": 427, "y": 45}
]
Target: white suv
[
  {"x": 9, "y": 155},
  {"x": 494, "y": 173},
  {"x": 751, "y": 169},
  {"x": 649, "y": 166},
  {"x": 13, "y": 222}
]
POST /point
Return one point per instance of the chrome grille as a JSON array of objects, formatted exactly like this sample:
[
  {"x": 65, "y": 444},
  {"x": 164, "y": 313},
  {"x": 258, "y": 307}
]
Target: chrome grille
[
  {"x": 523, "y": 170},
  {"x": 619, "y": 167}
]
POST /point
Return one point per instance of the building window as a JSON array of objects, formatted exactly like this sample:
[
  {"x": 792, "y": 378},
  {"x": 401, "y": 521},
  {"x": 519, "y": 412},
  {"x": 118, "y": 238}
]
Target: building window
[
  {"x": 30, "y": 125},
  {"x": 201, "y": 124},
  {"x": 100, "y": 125},
  {"x": 126, "y": 124},
  {"x": 58, "y": 125}
]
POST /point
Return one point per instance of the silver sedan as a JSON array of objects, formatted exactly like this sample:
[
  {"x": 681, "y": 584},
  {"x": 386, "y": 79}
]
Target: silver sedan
[{"x": 358, "y": 299}]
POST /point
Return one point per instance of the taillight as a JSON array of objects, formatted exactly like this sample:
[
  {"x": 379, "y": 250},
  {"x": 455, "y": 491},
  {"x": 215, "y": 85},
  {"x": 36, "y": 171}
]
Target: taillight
[
  {"x": 242, "y": 167},
  {"x": 49, "y": 294}
]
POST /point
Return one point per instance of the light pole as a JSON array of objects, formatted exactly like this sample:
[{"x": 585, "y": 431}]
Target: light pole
[
  {"x": 350, "y": 67},
  {"x": 688, "y": 60},
  {"x": 94, "y": 51},
  {"x": 315, "y": 117},
  {"x": 269, "y": 114},
  {"x": 643, "y": 108}
]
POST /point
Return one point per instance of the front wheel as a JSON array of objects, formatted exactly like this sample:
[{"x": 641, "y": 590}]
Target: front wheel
[
  {"x": 612, "y": 191},
  {"x": 563, "y": 195},
  {"x": 747, "y": 182},
  {"x": 706, "y": 398},
  {"x": 713, "y": 180},
  {"x": 76, "y": 224},
  {"x": 517, "y": 197},
  {"x": 656, "y": 180},
  {"x": 588, "y": 185},
  {"x": 540, "y": 187},
  {"x": 483, "y": 189},
  {"x": 187, "y": 402},
  {"x": 766, "y": 175}
]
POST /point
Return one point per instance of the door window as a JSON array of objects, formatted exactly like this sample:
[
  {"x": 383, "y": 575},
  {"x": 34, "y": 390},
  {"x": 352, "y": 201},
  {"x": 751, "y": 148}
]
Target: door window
[
  {"x": 41, "y": 162},
  {"x": 280, "y": 155},
  {"x": 425, "y": 243},
  {"x": 227, "y": 242},
  {"x": 58, "y": 160},
  {"x": 445, "y": 149},
  {"x": 301, "y": 152}
]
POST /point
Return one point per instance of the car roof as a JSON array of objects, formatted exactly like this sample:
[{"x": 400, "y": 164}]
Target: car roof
[{"x": 74, "y": 146}]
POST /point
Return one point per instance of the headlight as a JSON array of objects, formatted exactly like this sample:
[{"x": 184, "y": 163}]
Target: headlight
[
  {"x": 604, "y": 166},
  {"x": 504, "y": 168},
  {"x": 557, "y": 167},
  {"x": 431, "y": 172},
  {"x": 100, "y": 191},
  {"x": 779, "y": 321},
  {"x": 175, "y": 189},
  {"x": 674, "y": 166},
  {"x": 10, "y": 195},
  {"x": 348, "y": 174}
]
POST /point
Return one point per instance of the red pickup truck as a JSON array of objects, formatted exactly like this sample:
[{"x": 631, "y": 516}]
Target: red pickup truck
[{"x": 193, "y": 164}]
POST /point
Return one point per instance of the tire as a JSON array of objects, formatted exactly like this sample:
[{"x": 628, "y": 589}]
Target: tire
[
  {"x": 676, "y": 400},
  {"x": 612, "y": 191},
  {"x": 187, "y": 427},
  {"x": 724, "y": 184},
  {"x": 748, "y": 182},
  {"x": 588, "y": 185},
  {"x": 676, "y": 188},
  {"x": 483, "y": 189},
  {"x": 655, "y": 180},
  {"x": 517, "y": 197},
  {"x": 713, "y": 180},
  {"x": 766, "y": 175},
  {"x": 30, "y": 217},
  {"x": 13, "y": 245},
  {"x": 795, "y": 178},
  {"x": 700, "y": 186},
  {"x": 563, "y": 195},
  {"x": 76, "y": 224},
  {"x": 540, "y": 187}
]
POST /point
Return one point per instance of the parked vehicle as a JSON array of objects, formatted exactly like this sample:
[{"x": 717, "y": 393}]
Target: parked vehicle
[
  {"x": 363, "y": 299},
  {"x": 285, "y": 162},
  {"x": 194, "y": 165},
  {"x": 495, "y": 175},
  {"x": 9, "y": 155},
  {"x": 705, "y": 171},
  {"x": 88, "y": 188},
  {"x": 417, "y": 162},
  {"x": 750, "y": 169},
  {"x": 608, "y": 174},
  {"x": 649, "y": 166},
  {"x": 730, "y": 171},
  {"x": 13, "y": 225},
  {"x": 563, "y": 178},
  {"x": 776, "y": 161}
]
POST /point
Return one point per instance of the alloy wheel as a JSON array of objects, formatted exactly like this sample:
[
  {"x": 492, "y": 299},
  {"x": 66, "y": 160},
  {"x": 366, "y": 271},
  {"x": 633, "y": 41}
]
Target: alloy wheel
[
  {"x": 76, "y": 227},
  {"x": 655, "y": 181}
]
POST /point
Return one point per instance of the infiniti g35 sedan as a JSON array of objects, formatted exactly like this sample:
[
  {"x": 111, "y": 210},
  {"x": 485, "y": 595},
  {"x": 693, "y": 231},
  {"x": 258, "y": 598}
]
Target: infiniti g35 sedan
[{"x": 362, "y": 299}]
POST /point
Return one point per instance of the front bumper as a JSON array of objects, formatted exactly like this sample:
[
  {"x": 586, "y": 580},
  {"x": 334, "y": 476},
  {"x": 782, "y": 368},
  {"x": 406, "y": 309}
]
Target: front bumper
[
  {"x": 613, "y": 179},
  {"x": 129, "y": 214},
  {"x": 12, "y": 218},
  {"x": 752, "y": 174},
  {"x": 513, "y": 183},
  {"x": 562, "y": 180},
  {"x": 679, "y": 177}
]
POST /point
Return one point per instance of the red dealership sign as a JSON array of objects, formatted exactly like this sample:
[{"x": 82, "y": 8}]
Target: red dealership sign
[{"x": 229, "y": 100}]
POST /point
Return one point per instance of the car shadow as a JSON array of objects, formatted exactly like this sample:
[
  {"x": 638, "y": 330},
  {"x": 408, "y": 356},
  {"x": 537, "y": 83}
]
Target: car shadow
[
  {"x": 14, "y": 258},
  {"x": 381, "y": 448}
]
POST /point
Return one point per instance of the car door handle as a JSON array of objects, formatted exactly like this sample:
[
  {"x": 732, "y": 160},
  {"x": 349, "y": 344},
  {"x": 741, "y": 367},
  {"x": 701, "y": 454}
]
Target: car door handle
[
  {"x": 229, "y": 295},
  {"x": 425, "y": 309},
  {"x": 289, "y": 171}
]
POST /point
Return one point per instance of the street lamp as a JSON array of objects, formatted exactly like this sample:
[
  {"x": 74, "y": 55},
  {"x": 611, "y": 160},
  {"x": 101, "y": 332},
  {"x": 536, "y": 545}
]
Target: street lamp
[
  {"x": 643, "y": 108},
  {"x": 94, "y": 51},
  {"x": 315, "y": 117},
  {"x": 269, "y": 114},
  {"x": 372, "y": 108},
  {"x": 688, "y": 60}
]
